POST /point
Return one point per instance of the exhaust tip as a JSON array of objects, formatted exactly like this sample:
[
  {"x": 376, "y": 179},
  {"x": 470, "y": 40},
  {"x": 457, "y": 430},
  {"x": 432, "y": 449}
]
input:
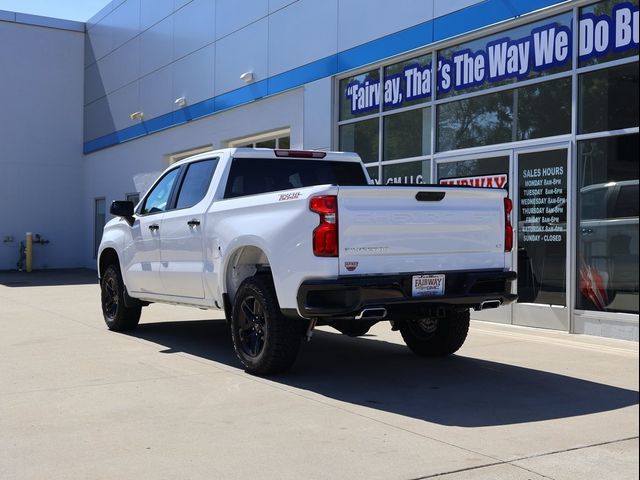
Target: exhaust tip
[
  {"x": 377, "y": 313},
  {"x": 487, "y": 304}
]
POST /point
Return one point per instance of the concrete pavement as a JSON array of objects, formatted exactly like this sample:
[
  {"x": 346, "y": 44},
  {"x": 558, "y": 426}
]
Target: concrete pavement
[{"x": 169, "y": 401}]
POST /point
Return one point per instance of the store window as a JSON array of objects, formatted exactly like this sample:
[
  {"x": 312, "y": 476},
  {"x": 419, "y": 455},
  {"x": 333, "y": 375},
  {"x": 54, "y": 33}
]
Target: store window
[
  {"x": 607, "y": 267},
  {"x": 362, "y": 138},
  {"x": 273, "y": 143},
  {"x": 609, "y": 99},
  {"x": 534, "y": 111},
  {"x": 383, "y": 118},
  {"x": 360, "y": 95},
  {"x": 374, "y": 173},
  {"x": 407, "y": 134},
  {"x": 407, "y": 173},
  {"x": 608, "y": 31},
  {"x": 542, "y": 227},
  {"x": 407, "y": 83},
  {"x": 177, "y": 156},
  {"x": 492, "y": 172},
  {"x": 274, "y": 139},
  {"x": 483, "y": 120}
]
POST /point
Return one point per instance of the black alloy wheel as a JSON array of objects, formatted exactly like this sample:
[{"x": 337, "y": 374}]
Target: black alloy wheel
[
  {"x": 117, "y": 315},
  {"x": 251, "y": 326},
  {"x": 265, "y": 341},
  {"x": 110, "y": 297}
]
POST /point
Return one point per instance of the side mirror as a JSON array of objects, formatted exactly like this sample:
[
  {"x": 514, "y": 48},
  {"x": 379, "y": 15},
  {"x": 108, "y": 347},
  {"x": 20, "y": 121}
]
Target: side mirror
[{"x": 124, "y": 209}]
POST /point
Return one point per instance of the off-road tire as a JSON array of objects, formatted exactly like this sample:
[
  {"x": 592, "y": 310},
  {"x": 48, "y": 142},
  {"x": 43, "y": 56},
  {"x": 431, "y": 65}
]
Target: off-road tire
[
  {"x": 445, "y": 338},
  {"x": 117, "y": 315},
  {"x": 265, "y": 341}
]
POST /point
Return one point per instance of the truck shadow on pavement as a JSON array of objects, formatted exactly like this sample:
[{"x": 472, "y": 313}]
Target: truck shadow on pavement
[
  {"x": 48, "y": 278},
  {"x": 454, "y": 391}
]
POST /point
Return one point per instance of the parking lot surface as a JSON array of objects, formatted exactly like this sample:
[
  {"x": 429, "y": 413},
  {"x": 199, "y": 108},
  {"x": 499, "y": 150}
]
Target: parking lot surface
[{"x": 169, "y": 401}]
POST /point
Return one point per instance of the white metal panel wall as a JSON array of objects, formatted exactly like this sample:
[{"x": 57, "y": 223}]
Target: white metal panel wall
[
  {"x": 230, "y": 16},
  {"x": 360, "y": 20},
  {"x": 242, "y": 51},
  {"x": 198, "y": 87},
  {"x": 317, "y": 114},
  {"x": 301, "y": 33},
  {"x": 41, "y": 147},
  {"x": 156, "y": 46}
]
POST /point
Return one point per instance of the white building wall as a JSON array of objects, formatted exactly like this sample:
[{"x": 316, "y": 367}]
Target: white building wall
[{"x": 41, "y": 80}]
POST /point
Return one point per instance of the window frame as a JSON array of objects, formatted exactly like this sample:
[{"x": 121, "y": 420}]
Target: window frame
[
  {"x": 171, "y": 197},
  {"x": 183, "y": 176},
  {"x": 251, "y": 140}
]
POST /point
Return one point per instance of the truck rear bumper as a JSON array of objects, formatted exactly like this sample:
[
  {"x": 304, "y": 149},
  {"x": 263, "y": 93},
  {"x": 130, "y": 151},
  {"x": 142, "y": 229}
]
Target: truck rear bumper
[{"x": 346, "y": 296}]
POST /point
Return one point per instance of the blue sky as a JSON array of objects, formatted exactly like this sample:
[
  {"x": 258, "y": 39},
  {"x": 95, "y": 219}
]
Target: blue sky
[{"x": 80, "y": 10}]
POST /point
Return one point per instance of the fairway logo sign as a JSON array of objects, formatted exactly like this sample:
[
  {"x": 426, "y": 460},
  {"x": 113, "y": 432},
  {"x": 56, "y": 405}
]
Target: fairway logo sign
[
  {"x": 487, "y": 181},
  {"x": 545, "y": 47}
]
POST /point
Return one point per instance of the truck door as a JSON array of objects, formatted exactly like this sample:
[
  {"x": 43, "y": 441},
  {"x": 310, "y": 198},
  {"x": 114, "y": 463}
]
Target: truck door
[
  {"x": 181, "y": 241},
  {"x": 142, "y": 261}
]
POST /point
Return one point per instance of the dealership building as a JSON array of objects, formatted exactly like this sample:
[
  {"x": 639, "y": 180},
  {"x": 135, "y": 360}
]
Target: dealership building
[{"x": 539, "y": 97}]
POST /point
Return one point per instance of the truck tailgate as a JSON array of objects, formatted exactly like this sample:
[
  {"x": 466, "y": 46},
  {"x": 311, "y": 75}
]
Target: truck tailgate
[{"x": 420, "y": 229}]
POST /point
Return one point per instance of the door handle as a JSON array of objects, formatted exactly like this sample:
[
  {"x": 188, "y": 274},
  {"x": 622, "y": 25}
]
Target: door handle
[
  {"x": 193, "y": 223},
  {"x": 154, "y": 227}
]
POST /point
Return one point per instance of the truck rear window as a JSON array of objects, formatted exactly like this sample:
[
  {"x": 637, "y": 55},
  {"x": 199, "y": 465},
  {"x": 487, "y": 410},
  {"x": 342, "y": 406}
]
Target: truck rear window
[{"x": 251, "y": 176}]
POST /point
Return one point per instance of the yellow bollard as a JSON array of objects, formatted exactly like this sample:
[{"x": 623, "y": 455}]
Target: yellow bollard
[{"x": 29, "y": 251}]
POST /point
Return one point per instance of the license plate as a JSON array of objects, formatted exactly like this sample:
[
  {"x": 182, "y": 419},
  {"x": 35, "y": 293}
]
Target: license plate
[{"x": 427, "y": 285}]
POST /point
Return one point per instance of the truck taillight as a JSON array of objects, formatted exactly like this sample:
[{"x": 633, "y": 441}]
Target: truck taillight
[
  {"x": 325, "y": 235},
  {"x": 508, "y": 229}
]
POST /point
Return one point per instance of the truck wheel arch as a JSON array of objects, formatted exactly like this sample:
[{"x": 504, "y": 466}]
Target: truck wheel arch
[
  {"x": 107, "y": 257},
  {"x": 243, "y": 263}
]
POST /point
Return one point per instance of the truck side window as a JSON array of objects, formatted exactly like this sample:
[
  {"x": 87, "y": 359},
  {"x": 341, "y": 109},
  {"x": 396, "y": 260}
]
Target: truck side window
[
  {"x": 196, "y": 182},
  {"x": 158, "y": 197}
]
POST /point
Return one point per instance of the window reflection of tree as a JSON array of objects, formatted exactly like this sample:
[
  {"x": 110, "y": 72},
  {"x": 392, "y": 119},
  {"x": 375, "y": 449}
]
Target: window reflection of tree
[
  {"x": 609, "y": 99},
  {"x": 486, "y": 119},
  {"x": 407, "y": 134},
  {"x": 544, "y": 109}
]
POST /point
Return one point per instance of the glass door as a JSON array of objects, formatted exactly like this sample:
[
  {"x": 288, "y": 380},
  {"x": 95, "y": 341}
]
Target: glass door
[
  {"x": 480, "y": 170},
  {"x": 542, "y": 233}
]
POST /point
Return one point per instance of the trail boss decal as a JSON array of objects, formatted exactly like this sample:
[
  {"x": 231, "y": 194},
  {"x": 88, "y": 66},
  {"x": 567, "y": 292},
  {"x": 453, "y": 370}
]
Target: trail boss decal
[{"x": 283, "y": 197}]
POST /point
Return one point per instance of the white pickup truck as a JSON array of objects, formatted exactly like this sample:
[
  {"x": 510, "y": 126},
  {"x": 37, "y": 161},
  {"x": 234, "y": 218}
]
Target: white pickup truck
[{"x": 286, "y": 240}]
